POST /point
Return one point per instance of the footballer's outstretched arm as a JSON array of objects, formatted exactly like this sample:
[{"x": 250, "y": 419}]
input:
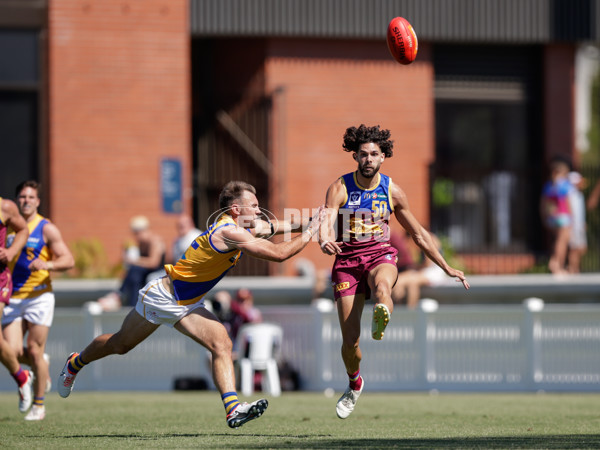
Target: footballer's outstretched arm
[
  {"x": 237, "y": 237},
  {"x": 263, "y": 228},
  {"x": 336, "y": 195}
]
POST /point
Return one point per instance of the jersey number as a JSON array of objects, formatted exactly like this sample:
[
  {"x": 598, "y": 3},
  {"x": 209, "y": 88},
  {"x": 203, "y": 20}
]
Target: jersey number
[{"x": 379, "y": 208}]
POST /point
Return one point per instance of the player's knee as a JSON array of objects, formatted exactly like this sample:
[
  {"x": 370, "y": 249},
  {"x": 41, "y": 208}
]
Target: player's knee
[
  {"x": 221, "y": 348},
  {"x": 382, "y": 290},
  {"x": 121, "y": 348},
  {"x": 34, "y": 351},
  {"x": 19, "y": 351},
  {"x": 350, "y": 347}
]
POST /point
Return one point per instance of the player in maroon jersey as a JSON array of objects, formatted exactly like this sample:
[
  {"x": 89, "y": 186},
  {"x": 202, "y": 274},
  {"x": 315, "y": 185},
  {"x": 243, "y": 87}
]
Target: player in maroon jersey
[
  {"x": 10, "y": 217},
  {"x": 360, "y": 203}
]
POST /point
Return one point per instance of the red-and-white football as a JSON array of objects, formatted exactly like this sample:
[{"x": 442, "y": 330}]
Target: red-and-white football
[{"x": 402, "y": 40}]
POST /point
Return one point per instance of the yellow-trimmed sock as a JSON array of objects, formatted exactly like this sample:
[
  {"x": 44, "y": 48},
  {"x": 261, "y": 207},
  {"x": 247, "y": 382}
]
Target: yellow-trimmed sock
[
  {"x": 355, "y": 380},
  {"x": 76, "y": 364},
  {"x": 230, "y": 401}
]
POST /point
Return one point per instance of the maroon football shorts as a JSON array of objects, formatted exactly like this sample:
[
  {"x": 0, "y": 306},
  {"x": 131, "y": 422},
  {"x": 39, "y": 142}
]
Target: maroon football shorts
[
  {"x": 5, "y": 286},
  {"x": 349, "y": 274}
]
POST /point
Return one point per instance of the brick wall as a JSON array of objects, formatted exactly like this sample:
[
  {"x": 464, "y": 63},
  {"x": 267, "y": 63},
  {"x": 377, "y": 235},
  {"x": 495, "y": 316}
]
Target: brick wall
[
  {"x": 327, "y": 86},
  {"x": 118, "y": 103}
]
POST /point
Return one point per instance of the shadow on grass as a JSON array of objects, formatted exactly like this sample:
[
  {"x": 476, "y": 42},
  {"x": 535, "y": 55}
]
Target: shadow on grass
[
  {"x": 549, "y": 442},
  {"x": 578, "y": 441}
]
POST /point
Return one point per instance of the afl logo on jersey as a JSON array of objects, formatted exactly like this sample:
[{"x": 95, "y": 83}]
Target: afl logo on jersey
[{"x": 354, "y": 198}]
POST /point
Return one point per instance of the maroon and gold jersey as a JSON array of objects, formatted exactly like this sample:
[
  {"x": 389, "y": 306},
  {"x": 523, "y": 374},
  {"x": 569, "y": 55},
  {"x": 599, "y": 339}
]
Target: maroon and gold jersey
[
  {"x": 363, "y": 218},
  {"x": 5, "y": 281}
]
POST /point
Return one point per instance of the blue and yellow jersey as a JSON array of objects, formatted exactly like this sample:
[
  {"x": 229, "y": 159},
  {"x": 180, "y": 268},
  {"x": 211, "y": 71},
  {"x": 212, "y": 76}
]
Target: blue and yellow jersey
[
  {"x": 27, "y": 283},
  {"x": 202, "y": 265},
  {"x": 363, "y": 217}
]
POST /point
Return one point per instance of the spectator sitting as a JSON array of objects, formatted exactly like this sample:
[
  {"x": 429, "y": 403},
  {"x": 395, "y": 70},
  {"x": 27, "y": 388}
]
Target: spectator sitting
[
  {"x": 243, "y": 311},
  {"x": 410, "y": 281},
  {"x": 405, "y": 258},
  {"x": 149, "y": 258},
  {"x": 186, "y": 233},
  {"x": 221, "y": 305}
]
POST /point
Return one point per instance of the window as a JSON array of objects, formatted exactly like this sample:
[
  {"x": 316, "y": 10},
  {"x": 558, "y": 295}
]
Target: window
[
  {"x": 486, "y": 177},
  {"x": 19, "y": 108}
]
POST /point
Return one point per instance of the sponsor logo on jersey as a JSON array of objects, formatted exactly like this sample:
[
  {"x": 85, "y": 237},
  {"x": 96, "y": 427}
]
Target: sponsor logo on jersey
[
  {"x": 341, "y": 286},
  {"x": 33, "y": 241},
  {"x": 354, "y": 199}
]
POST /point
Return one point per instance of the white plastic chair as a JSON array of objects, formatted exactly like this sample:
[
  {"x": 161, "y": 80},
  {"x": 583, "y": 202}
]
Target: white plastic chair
[{"x": 257, "y": 347}]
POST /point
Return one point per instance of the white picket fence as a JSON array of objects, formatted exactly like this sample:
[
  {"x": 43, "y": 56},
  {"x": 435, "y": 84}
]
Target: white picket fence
[{"x": 526, "y": 347}]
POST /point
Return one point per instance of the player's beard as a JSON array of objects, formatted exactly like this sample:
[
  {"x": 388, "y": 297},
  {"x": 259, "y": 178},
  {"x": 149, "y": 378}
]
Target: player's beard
[{"x": 369, "y": 172}]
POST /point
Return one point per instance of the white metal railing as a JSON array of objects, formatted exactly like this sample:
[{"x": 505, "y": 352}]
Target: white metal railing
[
  {"x": 524, "y": 347},
  {"x": 463, "y": 348}
]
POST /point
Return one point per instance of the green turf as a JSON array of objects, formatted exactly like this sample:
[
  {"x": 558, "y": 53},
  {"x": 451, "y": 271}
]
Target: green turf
[{"x": 307, "y": 420}]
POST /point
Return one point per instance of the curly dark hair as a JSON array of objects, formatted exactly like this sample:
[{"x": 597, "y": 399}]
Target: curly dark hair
[{"x": 354, "y": 137}]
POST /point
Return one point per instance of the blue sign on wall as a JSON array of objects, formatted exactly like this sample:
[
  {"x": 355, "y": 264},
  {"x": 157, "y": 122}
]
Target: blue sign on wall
[{"x": 171, "y": 185}]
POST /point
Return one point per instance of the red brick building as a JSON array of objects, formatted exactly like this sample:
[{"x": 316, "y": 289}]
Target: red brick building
[{"x": 116, "y": 88}]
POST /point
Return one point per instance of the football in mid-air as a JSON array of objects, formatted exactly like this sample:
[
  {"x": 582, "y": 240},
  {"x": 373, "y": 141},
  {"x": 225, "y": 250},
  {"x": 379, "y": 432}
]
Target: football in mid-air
[{"x": 402, "y": 40}]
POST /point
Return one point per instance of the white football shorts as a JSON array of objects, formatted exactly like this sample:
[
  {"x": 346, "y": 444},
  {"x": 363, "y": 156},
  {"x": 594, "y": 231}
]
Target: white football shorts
[
  {"x": 158, "y": 306},
  {"x": 37, "y": 310}
]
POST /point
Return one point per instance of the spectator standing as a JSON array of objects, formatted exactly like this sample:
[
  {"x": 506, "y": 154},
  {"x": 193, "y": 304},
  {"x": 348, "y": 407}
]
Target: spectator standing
[
  {"x": 578, "y": 239},
  {"x": 556, "y": 213}
]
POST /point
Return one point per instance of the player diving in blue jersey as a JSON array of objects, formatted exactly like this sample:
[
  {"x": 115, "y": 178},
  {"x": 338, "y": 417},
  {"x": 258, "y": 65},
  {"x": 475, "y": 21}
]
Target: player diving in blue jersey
[{"x": 176, "y": 300}]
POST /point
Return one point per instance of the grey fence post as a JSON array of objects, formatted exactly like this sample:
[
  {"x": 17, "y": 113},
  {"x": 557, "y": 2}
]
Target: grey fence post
[
  {"x": 426, "y": 335},
  {"x": 323, "y": 335},
  {"x": 532, "y": 334}
]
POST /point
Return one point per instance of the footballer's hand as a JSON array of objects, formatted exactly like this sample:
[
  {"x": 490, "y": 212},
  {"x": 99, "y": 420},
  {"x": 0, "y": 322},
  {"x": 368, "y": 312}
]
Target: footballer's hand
[
  {"x": 460, "y": 275},
  {"x": 38, "y": 264},
  {"x": 330, "y": 248},
  {"x": 5, "y": 256},
  {"x": 316, "y": 220}
]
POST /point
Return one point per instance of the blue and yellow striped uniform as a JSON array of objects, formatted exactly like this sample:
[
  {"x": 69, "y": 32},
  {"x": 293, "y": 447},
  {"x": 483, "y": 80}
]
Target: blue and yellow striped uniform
[
  {"x": 202, "y": 265},
  {"x": 363, "y": 217},
  {"x": 27, "y": 283}
]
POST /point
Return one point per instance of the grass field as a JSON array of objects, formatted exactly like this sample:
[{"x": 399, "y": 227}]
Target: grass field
[{"x": 307, "y": 420}]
